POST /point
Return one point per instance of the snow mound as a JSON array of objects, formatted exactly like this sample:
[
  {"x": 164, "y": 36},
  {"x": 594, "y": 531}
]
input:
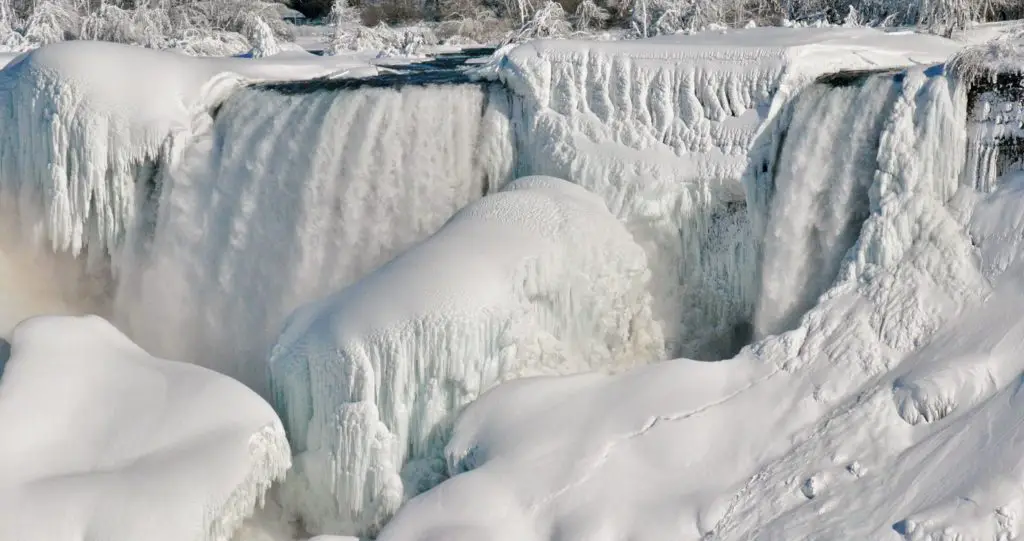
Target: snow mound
[
  {"x": 81, "y": 136},
  {"x": 662, "y": 128},
  {"x": 103, "y": 441},
  {"x": 891, "y": 409},
  {"x": 536, "y": 279}
]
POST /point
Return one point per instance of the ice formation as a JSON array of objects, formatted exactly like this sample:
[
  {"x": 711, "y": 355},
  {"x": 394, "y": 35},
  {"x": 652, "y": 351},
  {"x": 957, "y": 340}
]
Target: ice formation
[
  {"x": 207, "y": 210},
  {"x": 661, "y": 128},
  {"x": 818, "y": 195},
  {"x": 313, "y": 190},
  {"x": 891, "y": 399},
  {"x": 536, "y": 279},
  {"x": 104, "y": 441},
  {"x": 80, "y": 137}
]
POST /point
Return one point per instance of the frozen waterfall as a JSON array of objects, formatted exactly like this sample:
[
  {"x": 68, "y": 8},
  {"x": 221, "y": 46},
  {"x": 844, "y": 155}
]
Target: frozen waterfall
[
  {"x": 818, "y": 185},
  {"x": 294, "y": 194}
]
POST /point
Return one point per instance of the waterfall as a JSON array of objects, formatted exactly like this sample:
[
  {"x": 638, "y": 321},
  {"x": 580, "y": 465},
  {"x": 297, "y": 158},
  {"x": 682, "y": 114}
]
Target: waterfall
[{"x": 293, "y": 195}]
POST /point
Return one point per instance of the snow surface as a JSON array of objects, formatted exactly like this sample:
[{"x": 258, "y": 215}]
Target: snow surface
[
  {"x": 536, "y": 279},
  {"x": 661, "y": 128},
  {"x": 888, "y": 411},
  {"x": 104, "y": 441}
]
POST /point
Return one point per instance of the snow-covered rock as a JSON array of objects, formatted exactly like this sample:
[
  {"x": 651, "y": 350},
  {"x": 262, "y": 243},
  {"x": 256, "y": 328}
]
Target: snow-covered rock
[
  {"x": 103, "y": 441},
  {"x": 536, "y": 279}
]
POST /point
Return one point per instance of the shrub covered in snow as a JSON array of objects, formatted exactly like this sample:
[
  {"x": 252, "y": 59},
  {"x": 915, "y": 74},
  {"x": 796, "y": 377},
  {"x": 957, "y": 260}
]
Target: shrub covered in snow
[{"x": 386, "y": 40}]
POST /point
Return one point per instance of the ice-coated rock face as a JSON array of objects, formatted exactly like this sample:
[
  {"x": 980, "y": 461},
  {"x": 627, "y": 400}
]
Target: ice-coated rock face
[
  {"x": 103, "y": 442},
  {"x": 536, "y": 279}
]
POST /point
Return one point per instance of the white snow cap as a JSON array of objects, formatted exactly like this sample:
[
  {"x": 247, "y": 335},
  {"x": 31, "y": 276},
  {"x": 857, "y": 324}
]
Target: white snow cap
[
  {"x": 105, "y": 442},
  {"x": 536, "y": 279}
]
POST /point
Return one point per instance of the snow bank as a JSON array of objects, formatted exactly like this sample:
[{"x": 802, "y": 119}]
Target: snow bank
[
  {"x": 292, "y": 196},
  {"x": 805, "y": 435},
  {"x": 103, "y": 441},
  {"x": 536, "y": 279},
  {"x": 661, "y": 129},
  {"x": 78, "y": 129}
]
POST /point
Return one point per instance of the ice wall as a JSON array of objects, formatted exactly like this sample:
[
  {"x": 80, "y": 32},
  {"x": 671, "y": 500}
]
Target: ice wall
[
  {"x": 803, "y": 435},
  {"x": 661, "y": 129},
  {"x": 817, "y": 183},
  {"x": 293, "y": 195},
  {"x": 537, "y": 279}
]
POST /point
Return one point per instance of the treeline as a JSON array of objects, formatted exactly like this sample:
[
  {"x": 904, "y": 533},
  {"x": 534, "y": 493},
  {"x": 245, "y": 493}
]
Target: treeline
[{"x": 666, "y": 16}]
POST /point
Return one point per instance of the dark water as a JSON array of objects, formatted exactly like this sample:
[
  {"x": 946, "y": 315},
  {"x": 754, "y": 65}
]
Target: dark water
[{"x": 445, "y": 68}]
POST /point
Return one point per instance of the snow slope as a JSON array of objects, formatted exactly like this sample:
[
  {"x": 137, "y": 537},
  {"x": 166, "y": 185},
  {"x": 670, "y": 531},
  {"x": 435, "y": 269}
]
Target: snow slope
[
  {"x": 536, "y": 279},
  {"x": 889, "y": 410},
  {"x": 104, "y": 442},
  {"x": 661, "y": 128}
]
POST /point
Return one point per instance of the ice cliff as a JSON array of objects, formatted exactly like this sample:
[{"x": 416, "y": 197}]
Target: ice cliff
[{"x": 536, "y": 279}]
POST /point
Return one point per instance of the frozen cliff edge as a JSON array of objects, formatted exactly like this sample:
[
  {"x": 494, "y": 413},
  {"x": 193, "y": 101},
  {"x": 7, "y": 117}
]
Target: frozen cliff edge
[
  {"x": 891, "y": 410},
  {"x": 104, "y": 441},
  {"x": 536, "y": 279},
  {"x": 80, "y": 137},
  {"x": 662, "y": 129}
]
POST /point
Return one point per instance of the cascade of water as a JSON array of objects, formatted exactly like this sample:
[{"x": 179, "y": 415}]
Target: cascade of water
[
  {"x": 292, "y": 196},
  {"x": 819, "y": 196}
]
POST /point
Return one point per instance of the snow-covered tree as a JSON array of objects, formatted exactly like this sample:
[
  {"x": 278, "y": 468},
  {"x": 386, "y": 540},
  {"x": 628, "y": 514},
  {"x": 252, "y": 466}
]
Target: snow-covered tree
[
  {"x": 549, "y": 21},
  {"x": 342, "y": 12},
  {"x": 51, "y": 21},
  {"x": 260, "y": 36},
  {"x": 589, "y": 15}
]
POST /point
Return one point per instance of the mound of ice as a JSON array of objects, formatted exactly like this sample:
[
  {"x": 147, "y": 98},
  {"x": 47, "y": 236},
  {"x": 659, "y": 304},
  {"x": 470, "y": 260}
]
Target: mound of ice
[
  {"x": 81, "y": 136},
  {"x": 661, "y": 129},
  {"x": 103, "y": 441},
  {"x": 809, "y": 434},
  {"x": 536, "y": 279}
]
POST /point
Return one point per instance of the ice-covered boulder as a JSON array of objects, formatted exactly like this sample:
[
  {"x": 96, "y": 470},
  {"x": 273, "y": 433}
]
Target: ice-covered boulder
[
  {"x": 102, "y": 441},
  {"x": 537, "y": 279}
]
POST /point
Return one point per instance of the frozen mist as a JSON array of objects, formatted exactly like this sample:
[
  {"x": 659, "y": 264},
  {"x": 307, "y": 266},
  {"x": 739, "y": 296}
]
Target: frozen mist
[{"x": 450, "y": 300}]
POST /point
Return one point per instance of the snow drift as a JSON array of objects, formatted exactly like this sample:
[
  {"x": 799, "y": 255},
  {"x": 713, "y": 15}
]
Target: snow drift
[
  {"x": 661, "y": 129},
  {"x": 905, "y": 357},
  {"x": 104, "y": 441},
  {"x": 536, "y": 279}
]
